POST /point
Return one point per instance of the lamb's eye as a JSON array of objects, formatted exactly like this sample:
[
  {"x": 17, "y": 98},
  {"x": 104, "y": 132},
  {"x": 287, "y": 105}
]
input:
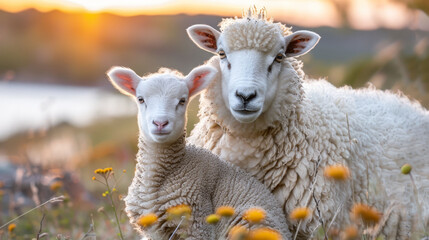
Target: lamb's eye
[
  {"x": 221, "y": 54},
  {"x": 141, "y": 99},
  {"x": 182, "y": 101},
  {"x": 279, "y": 57}
]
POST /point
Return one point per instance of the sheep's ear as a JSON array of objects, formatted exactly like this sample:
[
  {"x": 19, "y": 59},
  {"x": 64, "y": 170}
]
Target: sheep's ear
[
  {"x": 199, "y": 78},
  {"x": 300, "y": 43},
  {"x": 124, "y": 79},
  {"x": 204, "y": 36}
]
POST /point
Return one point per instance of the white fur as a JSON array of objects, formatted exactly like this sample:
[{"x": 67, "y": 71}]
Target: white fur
[
  {"x": 302, "y": 124},
  {"x": 169, "y": 173}
]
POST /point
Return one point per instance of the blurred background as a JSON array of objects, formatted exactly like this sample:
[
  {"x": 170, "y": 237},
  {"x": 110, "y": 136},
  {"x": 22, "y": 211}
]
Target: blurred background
[{"x": 60, "y": 118}]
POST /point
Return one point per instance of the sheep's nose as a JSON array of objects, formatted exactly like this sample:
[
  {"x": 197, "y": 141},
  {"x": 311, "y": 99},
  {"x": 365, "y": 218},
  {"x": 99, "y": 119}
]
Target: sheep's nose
[
  {"x": 245, "y": 97},
  {"x": 160, "y": 124}
]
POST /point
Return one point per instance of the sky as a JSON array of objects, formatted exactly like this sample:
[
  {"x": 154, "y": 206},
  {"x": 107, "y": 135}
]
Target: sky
[{"x": 363, "y": 14}]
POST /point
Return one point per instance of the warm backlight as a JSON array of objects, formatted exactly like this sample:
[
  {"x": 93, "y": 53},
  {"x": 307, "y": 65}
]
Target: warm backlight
[{"x": 99, "y": 5}]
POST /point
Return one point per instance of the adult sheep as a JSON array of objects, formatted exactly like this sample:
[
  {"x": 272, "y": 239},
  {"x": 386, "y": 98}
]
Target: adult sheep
[{"x": 262, "y": 114}]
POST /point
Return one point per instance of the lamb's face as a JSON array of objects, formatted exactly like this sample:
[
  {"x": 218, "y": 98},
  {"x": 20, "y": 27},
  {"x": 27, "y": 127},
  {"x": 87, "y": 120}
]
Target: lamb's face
[
  {"x": 251, "y": 53},
  {"x": 162, "y": 98}
]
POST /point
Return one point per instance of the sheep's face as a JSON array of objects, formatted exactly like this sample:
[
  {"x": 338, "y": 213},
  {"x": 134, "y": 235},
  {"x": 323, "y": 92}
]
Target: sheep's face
[
  {"x": 251, "y": 56},
  {"x": 162, "y": 99},
  {"x": 249, "y": 80}
]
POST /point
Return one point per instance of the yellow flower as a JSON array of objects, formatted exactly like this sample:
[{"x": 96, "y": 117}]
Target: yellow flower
[
  {"x": 333, "y": 233},
  {"x": 264, "y": 234},
  {"x": 114, "y": 190},
  {"x": 254, "y": 215},
  {"x": 406, "y": 169},
  {"x": 179, "y": 211},
  {"x": 55, "y": 186},
  {"x": 103, "y": 171},
  {"x": 121, "y": 197},
  {"x": 212, "y": 219},
  {"x": 337, "y": 172},
  {"x": 104, "y": 194},
  {"x": 350, "y": 233},
  {"x": 11, "y": 227},
  {"x": 147, "y": 220},
  {"x": 93, "y": 178},
  {"x": 367, "y": 214},
  {"x": 124, "y": 171},
  {"x": 300, "y": 213},
  {"x": 225, "y": 211},
  {"x": 238, "y": 232}
]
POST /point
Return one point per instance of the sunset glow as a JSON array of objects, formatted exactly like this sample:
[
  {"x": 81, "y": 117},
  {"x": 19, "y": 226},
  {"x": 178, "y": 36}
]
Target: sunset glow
[
  {"x": 363, "y": 14},
  {"x": 100, "y": 5}
]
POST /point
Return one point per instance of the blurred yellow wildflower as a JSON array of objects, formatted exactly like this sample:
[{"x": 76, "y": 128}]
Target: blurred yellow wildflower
[
  {"x": 179, "y": 211},
  {"x": 333, "y": 233},
  {"x": 406, "y": 169},
  {"x": 55, "y": 186},
  {"x": 103, "y": 171},
  {"x": 93, "y": 178},
  {"x": 350, "y": 233},
  {"x": 264, "y": 234},
  {"x": 300, "y": 213},
  {"x": 212, "y": 219},
  {"x": 367, "y": 214},
  {"x": 124, "y": 171},
  {"x": 11, "y": 227},
  {"x": 254, "y": 215},
  {"x": 337, "y": 172},
  {"x": 114, "y": 190},
  {"x": 147, "y": 220},
  {"x": 238, "y": 232},
  {"x": 225, "y": 211}
]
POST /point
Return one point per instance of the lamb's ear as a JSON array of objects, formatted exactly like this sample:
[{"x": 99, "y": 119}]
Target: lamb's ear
[
  {"x": 199, "y": 78},
  {"x": 300, "y": 43},
  {"x": 204, "y": 36},
  {"x": 124, "y": 79}
]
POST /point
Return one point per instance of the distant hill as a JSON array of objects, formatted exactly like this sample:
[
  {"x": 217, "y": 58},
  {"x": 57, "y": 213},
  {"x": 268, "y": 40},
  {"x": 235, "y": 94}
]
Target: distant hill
[{"x": 74, "y": 48}]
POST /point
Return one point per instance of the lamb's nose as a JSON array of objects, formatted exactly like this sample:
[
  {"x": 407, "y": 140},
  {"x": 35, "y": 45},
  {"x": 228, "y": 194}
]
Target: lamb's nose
[
  {"x": 245, "y": 97},
  {"x": 160, "y": 124}
]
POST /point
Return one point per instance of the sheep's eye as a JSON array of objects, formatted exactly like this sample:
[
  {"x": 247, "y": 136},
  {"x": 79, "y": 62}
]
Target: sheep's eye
[
  {"x": 141, "y": 99},
  {"x": 182, "y": 101},
  {"x": 221, "y": 54},
  {"x": 280, "y": 57}
]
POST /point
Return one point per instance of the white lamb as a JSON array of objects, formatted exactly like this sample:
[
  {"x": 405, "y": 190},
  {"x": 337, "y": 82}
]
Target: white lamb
[
  {"x": 261, "y": 114},
  {"x": 170, "y": 173}
]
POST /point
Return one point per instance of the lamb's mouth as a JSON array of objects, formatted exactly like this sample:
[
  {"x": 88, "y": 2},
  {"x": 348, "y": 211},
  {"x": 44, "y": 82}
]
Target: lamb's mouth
[
  {"x": 160, "y": 133},
  {"x": 246, "y": 111}
]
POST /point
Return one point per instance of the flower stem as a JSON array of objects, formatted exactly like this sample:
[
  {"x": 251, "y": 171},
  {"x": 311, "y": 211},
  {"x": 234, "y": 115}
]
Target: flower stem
[
  {"x": 114, "y": 209},
  {"x": 175, "y": 230},
  {"x": 52, "y": 200},
  {"x": 416, "y": 196}
]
